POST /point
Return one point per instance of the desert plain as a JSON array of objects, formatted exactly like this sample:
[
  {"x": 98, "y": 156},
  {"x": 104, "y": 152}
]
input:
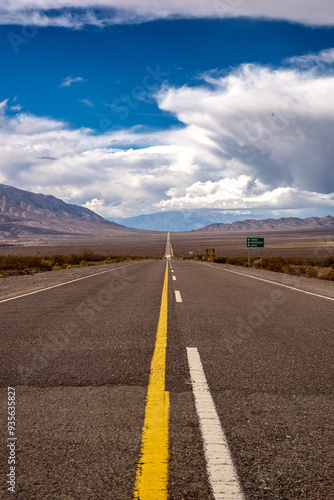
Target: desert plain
[{"x": 294, "y": 243}]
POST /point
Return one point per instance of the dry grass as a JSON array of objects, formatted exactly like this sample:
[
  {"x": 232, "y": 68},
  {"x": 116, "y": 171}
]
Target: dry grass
[
  {"x": 322, "y": 268},
  {"x": 20, "y": 265}
]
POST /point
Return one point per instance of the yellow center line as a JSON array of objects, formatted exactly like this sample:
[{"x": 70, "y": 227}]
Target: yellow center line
[{"x": 152, "y": 470}]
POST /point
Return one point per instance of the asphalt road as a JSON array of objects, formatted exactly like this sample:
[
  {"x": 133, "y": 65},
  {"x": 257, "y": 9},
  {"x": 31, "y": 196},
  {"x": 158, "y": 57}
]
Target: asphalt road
[{"x": 79, "y": 357}]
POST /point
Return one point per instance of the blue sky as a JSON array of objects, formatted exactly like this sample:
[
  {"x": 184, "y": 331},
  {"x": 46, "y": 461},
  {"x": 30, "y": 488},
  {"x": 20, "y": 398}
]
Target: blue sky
[{"x": 147, "y": 109}]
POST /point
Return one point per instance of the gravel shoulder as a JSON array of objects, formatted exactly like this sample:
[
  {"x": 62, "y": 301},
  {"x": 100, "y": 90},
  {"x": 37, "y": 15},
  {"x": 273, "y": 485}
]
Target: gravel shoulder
[
  {"x": 17, "y": 285},
  {"x": 312, "y": 285}
]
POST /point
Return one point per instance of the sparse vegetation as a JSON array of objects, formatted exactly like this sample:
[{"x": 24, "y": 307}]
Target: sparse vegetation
[
  {"x": 19, "y": 265},
  {"x": 311, "y": 267},
  {"x": 322, "y": 268}
]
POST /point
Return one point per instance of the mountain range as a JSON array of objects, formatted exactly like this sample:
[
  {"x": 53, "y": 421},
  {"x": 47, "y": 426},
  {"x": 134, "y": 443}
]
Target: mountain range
[
  {"x": 173, "y": 220},
  {"x": 25, "y": 214},
  {"x": 284, "y": 223}
]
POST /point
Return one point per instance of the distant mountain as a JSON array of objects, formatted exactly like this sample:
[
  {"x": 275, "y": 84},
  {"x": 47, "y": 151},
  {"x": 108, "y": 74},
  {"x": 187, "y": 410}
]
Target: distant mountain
[
  {"x": 23, "y": 213},
  {"x": 285, "y": 223},
  {"x": 178, "y": 221}
]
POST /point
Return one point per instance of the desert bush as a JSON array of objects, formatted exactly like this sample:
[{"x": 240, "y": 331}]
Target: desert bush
[
  {"x": 295, "y": 270},
  {"x": 329, "y": 261},
  {"x": 328, "y": 276},
  {"x": 59, "y": 260},
  {"x": 312, "y": 267},
  {"x": 237, "y": 261},
  {"x": 311, "y": 272},
  {"x": 27, "y": 265},
  {"x": 220, "y": 260},
  {"x": 275, "y": 264},
  {"x": 313, "y": 261},
  {"x": 74, "y": 259}
]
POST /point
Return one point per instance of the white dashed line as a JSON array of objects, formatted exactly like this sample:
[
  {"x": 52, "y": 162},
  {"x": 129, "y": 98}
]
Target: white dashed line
[
  {"x": 174, "y": 278},
  {"x": 172, "y": 271},
  {"x": 222, "y": 475},
  {"x": 273, "y": 283},
  {"x": 178, "y": 297}
]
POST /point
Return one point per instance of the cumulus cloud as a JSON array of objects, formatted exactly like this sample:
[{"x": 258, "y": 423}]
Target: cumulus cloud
[
  {"x": 69, "y": 80},
  {"x": 243, "y": 193},
  {"x": 256, "y": 138},
  {"x": 276, "y": 124},
  {"x": 78, "y": 13}
]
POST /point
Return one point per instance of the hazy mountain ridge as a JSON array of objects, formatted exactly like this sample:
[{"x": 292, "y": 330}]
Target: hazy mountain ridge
[
  {"x": 23, "y": 213},
  {"x": 273, "y": 224},
  {"x": 172, "y": 220}
]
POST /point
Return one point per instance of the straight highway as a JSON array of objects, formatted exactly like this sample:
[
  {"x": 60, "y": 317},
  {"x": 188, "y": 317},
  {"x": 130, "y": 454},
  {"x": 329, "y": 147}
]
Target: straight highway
[{"x": 174, "y": 364}]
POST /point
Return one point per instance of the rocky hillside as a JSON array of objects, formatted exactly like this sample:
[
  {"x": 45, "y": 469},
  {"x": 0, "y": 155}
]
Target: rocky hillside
[
  {"x": 285, "y": 223},
  {"x": 23, "y": 213}
]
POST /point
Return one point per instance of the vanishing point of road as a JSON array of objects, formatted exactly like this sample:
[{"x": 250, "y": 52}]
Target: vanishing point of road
[{"x": 170, "y": 379}]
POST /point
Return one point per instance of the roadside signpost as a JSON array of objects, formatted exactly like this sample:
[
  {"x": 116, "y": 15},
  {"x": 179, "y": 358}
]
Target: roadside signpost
[
  {"x": 254, "y": 243},
  {"x": 210, "y": 252}
]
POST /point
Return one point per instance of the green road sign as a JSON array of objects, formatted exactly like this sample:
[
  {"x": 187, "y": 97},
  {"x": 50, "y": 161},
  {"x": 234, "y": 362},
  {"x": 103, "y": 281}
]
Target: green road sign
[{"x": 255, "y": 242}]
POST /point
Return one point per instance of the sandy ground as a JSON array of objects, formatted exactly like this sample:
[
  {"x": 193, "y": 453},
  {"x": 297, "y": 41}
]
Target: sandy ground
[{"x": 277, "y": 243}]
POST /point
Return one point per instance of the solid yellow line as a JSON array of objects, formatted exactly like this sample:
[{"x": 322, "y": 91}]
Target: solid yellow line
[{"x": 152, "y": 470}]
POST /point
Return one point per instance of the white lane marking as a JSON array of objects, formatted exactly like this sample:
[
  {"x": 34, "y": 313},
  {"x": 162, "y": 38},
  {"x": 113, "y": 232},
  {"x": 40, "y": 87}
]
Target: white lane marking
[
  {"x": 61, "y": 284},
  {"x": 167, "y": 251},
  {"x": 222, "y": 474},
  {"x": 273, "y": 282},
  {"x": 178, "y": 297},
  {"x": 174, "y": 278},
  {"x": 172, "y": 271}
]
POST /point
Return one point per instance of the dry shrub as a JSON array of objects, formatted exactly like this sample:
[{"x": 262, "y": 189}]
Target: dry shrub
[
  {"x": 237, "y": 261},
  {"x": 275, "y": 264},
  {"x": 312, "y": 267},
  {"x": 18, "y": 265},
  {"x": 327, "y": 274},
  {"x": 220, "y": 260}
]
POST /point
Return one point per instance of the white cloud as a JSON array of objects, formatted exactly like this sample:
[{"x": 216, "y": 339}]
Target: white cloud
[
  {"x": 3, "y": 106},
  {"x": 243, "y": 193},
  {"x": 87, "y": 102},
  {"x": 256, "y": 138},
  {"x": 69, "y": 80},
  {"x": 275, "y": 124},
  {"x": 77, "y": 13},
  {"x": 324, "y": 57},
  {"x": 17, "y": 107}
]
